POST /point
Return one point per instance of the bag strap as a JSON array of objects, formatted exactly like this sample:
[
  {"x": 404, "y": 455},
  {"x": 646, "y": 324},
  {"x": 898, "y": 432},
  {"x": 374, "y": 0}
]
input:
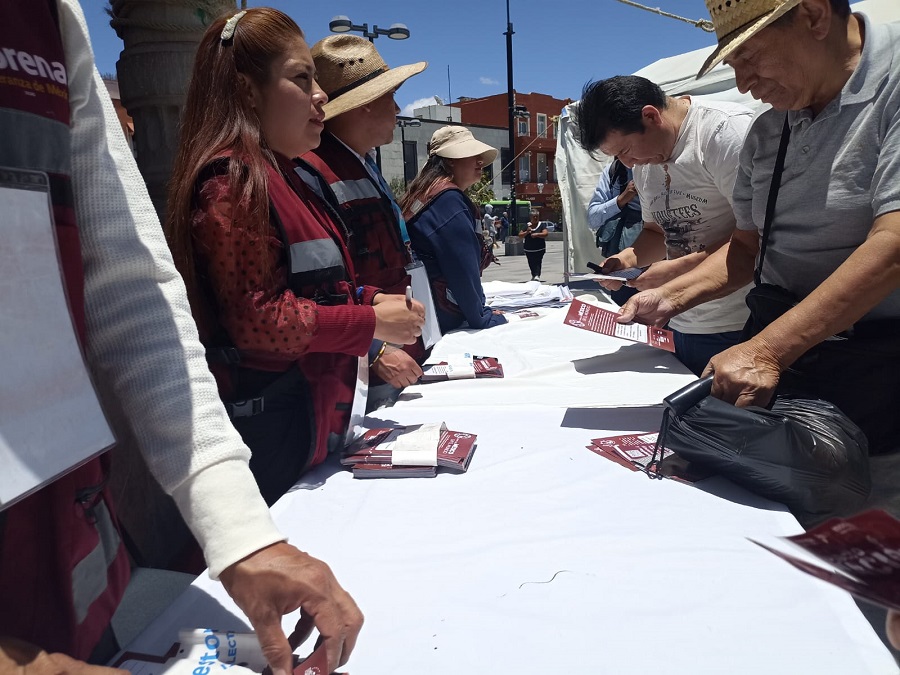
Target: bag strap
[{"x": 773, "y": 197}]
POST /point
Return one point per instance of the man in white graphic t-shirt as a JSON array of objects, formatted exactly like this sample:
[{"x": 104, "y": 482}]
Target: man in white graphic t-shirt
[{"x": 685, "y": 158}]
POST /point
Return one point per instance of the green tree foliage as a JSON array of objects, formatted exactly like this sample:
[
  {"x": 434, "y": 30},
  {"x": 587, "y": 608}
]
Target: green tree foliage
[
  {"x": 398, "y": 187},
  {"x": 481, "y": 192}
]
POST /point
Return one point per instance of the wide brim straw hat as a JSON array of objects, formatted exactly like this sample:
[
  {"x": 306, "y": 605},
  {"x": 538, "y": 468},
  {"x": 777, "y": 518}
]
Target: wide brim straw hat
[
  {"x": 736, "y": 21},
  {"x": 351, "y": 71},
  {"x": 455, "y": 142}
]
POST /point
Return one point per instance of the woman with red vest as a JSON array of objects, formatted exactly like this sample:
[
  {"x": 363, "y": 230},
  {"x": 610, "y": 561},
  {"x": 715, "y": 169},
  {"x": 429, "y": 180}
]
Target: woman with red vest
[{"x": 264, "y": 259}]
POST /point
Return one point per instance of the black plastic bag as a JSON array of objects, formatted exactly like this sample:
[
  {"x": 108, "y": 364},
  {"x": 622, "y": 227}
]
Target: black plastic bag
[{"x": 804, "y": 453}]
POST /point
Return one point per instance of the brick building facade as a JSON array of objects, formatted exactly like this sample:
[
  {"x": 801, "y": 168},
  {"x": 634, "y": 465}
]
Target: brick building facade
[{"x": 535, "y": 142}]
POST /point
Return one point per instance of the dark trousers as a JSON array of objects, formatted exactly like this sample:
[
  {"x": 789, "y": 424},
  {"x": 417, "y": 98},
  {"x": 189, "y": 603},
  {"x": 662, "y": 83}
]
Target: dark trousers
[
  {"x": 535, "y": 258},
  {"x": 281, "y": 438},
  {"x": 696, "y": 349}
]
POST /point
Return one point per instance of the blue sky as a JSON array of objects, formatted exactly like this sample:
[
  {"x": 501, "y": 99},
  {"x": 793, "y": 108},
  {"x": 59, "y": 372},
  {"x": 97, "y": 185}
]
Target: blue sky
[{"x": 557, "y": 47}]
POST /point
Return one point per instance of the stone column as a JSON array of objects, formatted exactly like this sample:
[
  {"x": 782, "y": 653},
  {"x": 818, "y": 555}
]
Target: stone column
[{"x": 161, "y": 38}]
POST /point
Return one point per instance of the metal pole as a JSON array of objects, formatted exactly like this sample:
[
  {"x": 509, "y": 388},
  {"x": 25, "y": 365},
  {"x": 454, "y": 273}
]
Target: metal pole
[
  {"x": 403, "y": 150},
  {"x": 511, "y": 100}
]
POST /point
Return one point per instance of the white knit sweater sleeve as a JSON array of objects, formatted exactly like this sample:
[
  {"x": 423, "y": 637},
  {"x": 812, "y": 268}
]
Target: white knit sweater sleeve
[{"x": 142, "y": 341}]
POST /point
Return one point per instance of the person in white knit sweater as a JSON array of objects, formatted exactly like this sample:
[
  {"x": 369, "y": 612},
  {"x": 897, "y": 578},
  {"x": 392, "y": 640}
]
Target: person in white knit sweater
[{"x": 143, "y": 349}]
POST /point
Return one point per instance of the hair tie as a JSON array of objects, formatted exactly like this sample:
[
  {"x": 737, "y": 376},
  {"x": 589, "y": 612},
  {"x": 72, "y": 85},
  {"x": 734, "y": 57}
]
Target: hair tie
[{"x": 230, "y": 25}]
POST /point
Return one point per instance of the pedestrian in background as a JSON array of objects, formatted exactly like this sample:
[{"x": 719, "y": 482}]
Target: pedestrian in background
[{"x": 535, "y": 240}]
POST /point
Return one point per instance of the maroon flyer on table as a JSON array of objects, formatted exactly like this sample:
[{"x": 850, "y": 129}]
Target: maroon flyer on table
[
  {"x": 863, "y": 550},
  {"x": 636, "y": 448},
  {"x": 603, "y": 321}
]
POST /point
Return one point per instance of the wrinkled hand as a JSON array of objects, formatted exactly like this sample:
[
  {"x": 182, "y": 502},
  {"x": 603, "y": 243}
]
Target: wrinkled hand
[
  {"x": 398, "y": 322},
  {"x": 278, "y": 580},
  {"x": 659, "y": 273},
  {"x": 652, "y": 308},
  {"x": 21, "y": 658},
  {"x": 397, "y": 368},
  {"x": 745, "y": 374},
  {"x": 620, "y": 261}
]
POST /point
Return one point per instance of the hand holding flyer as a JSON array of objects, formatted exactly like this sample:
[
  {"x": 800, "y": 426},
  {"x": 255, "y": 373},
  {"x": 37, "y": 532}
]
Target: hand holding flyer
[{"x": 603, "y": 321}]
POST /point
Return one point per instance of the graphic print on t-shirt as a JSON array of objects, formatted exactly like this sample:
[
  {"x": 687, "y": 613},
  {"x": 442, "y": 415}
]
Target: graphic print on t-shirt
[{"x": 682, "y": 224}]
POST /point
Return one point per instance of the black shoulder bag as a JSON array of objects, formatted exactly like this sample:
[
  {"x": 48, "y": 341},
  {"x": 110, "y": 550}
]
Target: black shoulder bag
[
  {"x": 855, "y": 369},
  {"x": 767, "y": 302}
]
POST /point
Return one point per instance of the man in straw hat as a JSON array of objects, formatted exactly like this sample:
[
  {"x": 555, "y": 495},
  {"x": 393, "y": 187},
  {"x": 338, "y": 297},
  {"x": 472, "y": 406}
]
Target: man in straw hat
[
  {"x": 829, "y": 304},
  {"x": 361, "y": 115},
  {"x": 685, "y": 158}
]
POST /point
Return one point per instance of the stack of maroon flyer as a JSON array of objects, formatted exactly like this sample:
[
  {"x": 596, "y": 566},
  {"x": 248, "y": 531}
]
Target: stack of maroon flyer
[
  {"x": 635, "y": 452},
  {"x": 466, "y": 367},
  {"x": 409, "y": 452},
  {"x": 860, "y": 554}
]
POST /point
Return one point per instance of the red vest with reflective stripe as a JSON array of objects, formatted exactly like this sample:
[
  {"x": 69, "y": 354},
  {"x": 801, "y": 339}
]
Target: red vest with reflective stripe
[
  {"x": 320, "y": 269},
  {"x": 379, "y": 253},
  {"x": 332, "y": 376},
  {"x": 63, "y": 569}
]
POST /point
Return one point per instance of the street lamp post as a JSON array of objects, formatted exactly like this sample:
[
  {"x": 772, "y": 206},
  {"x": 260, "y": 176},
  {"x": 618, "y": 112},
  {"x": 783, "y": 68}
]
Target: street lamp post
[
  {"x": 403, "y": 124},
  {"x": 397, "y": 31},
  {"x": 342, "y": 24},
  {"x": 511, "y": 102}
]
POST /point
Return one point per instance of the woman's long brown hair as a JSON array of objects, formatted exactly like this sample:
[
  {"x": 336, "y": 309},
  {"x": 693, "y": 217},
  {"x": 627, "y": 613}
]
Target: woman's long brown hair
[
  {"x": 219, "y": 120},
  {"x": 436, "y": 169}
]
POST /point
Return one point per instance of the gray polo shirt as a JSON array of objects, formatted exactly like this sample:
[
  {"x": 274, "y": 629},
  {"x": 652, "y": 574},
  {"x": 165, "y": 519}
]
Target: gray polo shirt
[{"x": 841, "y": 171}]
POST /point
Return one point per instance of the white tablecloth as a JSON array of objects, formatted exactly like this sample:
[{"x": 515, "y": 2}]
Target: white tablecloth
[{"x": 545, "y": 558}]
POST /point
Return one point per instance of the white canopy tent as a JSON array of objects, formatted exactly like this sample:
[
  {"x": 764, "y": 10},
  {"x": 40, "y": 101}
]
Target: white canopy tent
[{"x": 676, "y": 75}]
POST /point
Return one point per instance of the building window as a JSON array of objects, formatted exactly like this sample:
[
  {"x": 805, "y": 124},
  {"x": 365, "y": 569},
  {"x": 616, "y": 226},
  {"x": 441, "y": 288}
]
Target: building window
[
  {"x": 524, "y": 169},
  {"x": 488, "y": 172},
  {"x": 523, "y": 126},
  {"x": 541, "y": 166},
  {"x": 542, "y": 125},
  {"x": 410, "y": 160},
  {"x": 551, "y": 132}
]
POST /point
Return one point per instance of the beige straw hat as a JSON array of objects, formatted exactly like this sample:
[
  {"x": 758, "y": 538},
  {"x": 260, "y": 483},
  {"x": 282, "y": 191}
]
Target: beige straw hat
[
  {"x": 352, "y": 72},
  {"x": 736, "y": 21},
  {"x": 455, "y": 142}
]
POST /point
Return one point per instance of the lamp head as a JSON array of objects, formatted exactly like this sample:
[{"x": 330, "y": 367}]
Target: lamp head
[
  {"x": 398, "y": 31},
  {"x": 340, "y": 24}
]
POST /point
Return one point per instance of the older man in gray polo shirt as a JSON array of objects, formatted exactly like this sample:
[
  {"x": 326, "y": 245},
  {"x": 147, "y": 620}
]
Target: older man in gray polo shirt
[{"x": 834, "y": 244}]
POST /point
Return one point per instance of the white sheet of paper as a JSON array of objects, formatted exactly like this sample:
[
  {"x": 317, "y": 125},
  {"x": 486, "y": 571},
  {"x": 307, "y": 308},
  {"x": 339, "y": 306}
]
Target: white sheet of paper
[
  {"x": 631, "y": 331},
  {"x": 360, "y": 396},
  {"x": 50, "y": 418},
  {"x": 595, "y": 277},
  {"x": 417, "y": 445},
  {"x": 431, "y": 331}
]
